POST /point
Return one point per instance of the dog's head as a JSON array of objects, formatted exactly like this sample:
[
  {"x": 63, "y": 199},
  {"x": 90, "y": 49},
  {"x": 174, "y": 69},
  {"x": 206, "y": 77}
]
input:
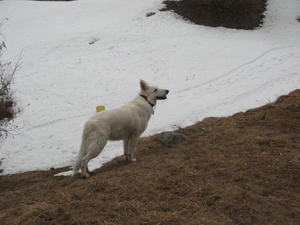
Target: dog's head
[{"x": 152, "y": 93}]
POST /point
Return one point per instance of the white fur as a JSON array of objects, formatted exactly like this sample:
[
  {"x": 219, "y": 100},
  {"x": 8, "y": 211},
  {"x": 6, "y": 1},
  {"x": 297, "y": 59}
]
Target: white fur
[{"x": 126, "y": 123}]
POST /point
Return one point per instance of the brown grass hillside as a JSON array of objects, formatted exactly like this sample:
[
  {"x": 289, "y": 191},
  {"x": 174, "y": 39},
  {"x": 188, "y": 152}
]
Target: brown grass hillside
[{"x": 242, "y": 169}]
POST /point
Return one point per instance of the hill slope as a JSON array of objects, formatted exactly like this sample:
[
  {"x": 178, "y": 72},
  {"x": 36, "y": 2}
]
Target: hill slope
[{"x": 243, "y": 169}]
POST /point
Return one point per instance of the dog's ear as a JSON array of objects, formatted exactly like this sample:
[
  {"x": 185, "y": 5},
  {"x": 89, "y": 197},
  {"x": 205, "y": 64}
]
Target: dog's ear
[{"x": 144, "y": 85}]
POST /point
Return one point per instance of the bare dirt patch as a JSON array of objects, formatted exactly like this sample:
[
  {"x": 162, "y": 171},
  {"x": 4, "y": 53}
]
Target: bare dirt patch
[{"x": 238, "y": 14}]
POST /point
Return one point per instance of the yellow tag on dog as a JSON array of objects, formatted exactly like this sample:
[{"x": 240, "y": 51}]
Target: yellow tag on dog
[{"x": 100, "y": 108}]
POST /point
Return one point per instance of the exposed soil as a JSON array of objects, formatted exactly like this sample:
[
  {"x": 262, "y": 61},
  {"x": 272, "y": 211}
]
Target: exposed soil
[
  {"x": 238, "y": 14},
  {"x": 242, "y": 169}
]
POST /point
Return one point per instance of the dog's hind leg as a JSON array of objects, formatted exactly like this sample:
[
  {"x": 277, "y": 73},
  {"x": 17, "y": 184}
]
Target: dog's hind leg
[
  {"x": 81, "y": 154},
  {"x": 93, "y": 151}
]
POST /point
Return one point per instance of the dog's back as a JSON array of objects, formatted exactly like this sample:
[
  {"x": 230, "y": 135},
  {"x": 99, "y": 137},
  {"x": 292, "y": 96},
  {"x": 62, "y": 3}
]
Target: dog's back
[{"x": 120, "y": 122}]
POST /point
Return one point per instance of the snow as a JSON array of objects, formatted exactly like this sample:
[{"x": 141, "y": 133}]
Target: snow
[{"x": 77, "y": 55}]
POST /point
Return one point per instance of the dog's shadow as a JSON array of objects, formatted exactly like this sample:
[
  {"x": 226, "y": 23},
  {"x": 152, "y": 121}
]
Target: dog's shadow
[{"x": 116, "y": 163}]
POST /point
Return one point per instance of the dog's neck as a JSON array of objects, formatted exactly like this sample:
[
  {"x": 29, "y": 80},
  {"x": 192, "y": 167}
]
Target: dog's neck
[{"x": 145, "y": 97}]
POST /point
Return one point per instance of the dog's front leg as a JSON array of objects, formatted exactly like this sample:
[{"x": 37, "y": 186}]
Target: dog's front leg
[
  {"x": 126, "y": 149},
  {"x": 132, "y": 144}
]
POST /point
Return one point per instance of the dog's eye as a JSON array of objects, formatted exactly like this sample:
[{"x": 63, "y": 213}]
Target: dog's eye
[{"x": 155, "y": 90}]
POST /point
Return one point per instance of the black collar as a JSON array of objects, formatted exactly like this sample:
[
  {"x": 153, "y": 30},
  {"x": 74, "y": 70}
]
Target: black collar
[{"x": 145, "y": 97}]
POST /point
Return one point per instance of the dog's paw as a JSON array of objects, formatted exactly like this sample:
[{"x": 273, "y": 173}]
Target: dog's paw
[
  {"x": 132, "y": 160},
  {"x": 85, "y": 175},
  {"x": 74, "y": 174},
  {"x": 129, "y": 158}
]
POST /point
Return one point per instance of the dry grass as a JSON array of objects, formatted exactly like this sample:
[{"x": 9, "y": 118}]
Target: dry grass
[{"x": 242, "y": 169}]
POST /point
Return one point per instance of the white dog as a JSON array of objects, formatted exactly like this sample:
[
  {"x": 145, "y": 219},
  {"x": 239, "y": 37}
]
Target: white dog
[{"x": 126, "y": 123}]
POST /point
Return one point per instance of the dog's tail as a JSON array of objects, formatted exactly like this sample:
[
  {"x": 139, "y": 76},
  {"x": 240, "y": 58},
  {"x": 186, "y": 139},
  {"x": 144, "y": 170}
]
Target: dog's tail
[{"x": 81, "y": 154}]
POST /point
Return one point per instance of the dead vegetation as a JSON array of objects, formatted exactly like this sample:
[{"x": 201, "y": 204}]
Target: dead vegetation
[
  {"x": 8, "y": 104},
  {"x": 243, "y": 169}
]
